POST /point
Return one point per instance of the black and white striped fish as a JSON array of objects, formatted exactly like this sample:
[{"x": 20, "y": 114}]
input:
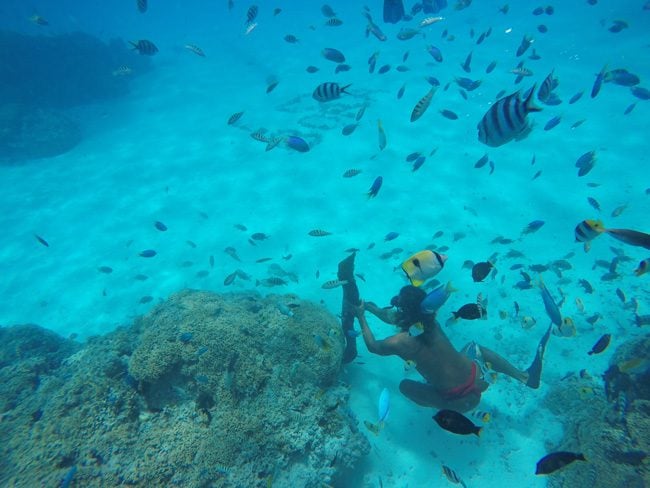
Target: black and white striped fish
[
  {"x": 251, "y": 14},
  {"x": 422, "y": 105},
  {"x": 328, "y": 91},
  {"x": 506, "y": 120},
  {"x": 549, "y": 84},
  {"x": 451, "y": 475},
  {"x": 144, "y": 47}
]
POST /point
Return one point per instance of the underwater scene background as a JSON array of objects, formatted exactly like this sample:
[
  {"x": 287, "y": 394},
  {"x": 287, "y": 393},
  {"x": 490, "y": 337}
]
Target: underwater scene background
[{"x": 178, "y": 187}]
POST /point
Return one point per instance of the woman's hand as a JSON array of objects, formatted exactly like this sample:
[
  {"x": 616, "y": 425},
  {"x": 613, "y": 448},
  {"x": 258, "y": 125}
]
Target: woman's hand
[{"x": 360, "y": 309}]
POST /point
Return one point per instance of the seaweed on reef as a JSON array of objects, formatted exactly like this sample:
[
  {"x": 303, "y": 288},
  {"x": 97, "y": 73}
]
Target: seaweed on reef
[{"x": 205, "y": 390}]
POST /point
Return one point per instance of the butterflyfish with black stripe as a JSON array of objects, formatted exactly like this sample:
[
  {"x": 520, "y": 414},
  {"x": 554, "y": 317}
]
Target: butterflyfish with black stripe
[{"x": 506, "y": 120}]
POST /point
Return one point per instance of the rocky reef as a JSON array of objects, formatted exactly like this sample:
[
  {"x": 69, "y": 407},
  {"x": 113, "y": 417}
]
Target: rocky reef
[
  {"x": 206, "y": 390},
  {"x": 43, "y": 76},
  {"x": 608, "y": 420}
]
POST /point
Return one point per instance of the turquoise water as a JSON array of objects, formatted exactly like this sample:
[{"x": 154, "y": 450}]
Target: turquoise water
[{"x": 164, "y": 152}]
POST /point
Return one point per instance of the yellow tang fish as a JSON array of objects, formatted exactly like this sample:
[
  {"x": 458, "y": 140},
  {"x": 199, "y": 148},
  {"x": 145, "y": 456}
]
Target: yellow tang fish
[{"x": 423, "y": 266}]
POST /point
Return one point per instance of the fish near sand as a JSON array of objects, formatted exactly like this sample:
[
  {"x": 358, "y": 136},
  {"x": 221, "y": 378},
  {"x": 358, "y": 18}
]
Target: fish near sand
[
  {"x": 506, "y": 120},
  {"x": 455, "y": 422},
  {"x": 556, "y": 460},
  {"x": 383, "y": 406}
]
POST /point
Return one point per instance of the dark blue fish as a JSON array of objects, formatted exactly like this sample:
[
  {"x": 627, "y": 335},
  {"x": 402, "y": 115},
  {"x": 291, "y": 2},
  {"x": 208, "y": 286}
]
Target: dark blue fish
[
  {"x": 435, "y": 53},
  {"x": 384, "y": 69},
  {"x": 66, "y": 481},
  {"x": 600, "y": 77},
  {"x": 160, "y": 226},
  {"x": 533, "y": 226},
  {"x": 468, "y": 84},
  {"x": 552, "y": 310},
  {"x": 433, "y": 81},
  {"x": 524, "y": 45},
  {"x": 418, "y": 163},
  {"x": 629, "y": 108},
  {"x": 491, "y": 167},
  {"x": 334, "y": 55},
  {"x": 553, "y": 122},
  {"x": 506, "y": 120},
  {"x": 621, "y": 76},
  {"x": 297, "y": 143},
  {"x": 391, "y": 236},
  {"x": 482, "y": 162},
  {"x": 640, "y": 92},
  {"x": 448, "y": 114},
  {"x": 490, "y": 67},
  {"x": 575, "y": 98},
  {"x": 148, "y": 253},
  {"x": 467, "y": 63},
  {"x": 413, "y": 156},
  {"x": 400, "y": 92},
  {"x": 349, "y": 129},
  {"x": 41, "y": 240},
  {"x": 376, "y": 185}
]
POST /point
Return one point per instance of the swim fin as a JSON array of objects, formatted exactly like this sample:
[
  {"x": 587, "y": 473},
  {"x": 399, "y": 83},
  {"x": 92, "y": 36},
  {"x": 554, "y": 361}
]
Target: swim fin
[
  {"x": 535, "y": 369},
  {"x": 350, "y": 299},
  {"x": 393, "y": 11}
]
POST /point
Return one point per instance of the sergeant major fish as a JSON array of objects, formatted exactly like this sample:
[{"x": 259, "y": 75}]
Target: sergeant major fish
[
  {"x": 328, "y": 91},
  {"x": 506, "y": 120}
]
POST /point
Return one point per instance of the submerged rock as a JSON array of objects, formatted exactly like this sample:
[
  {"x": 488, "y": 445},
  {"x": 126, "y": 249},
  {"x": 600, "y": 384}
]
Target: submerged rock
[
  {"x": 28, "y": 132},
  {"x": 253, "y": 398}
]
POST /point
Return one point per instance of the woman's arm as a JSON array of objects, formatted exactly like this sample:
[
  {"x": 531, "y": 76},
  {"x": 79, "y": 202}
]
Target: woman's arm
[
  {"x": 385, "y": 347},
  {"x": 386, "y": 315}
]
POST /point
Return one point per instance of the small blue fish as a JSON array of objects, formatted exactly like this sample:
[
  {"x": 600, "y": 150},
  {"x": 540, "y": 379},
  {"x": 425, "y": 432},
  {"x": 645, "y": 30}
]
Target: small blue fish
[
  {"x": 284, "y": 310},
  {"x": 297, "y": 143},
  {"x": 436, "y": 298},
  {"x": 391, "y": 236},
  {"x": 376, "y": 185},
  {"x": 418, "y": 163},
  {"x": 575, "y": 98},
  {"x": 549, "y": 304},
  {"x": 553, "y": 122},
  {"x": 383, "y": 406},
  {"x": 67, "y": 479},
  {"x": 148, "y": 253},
  {"x": 600, "y": 77}
]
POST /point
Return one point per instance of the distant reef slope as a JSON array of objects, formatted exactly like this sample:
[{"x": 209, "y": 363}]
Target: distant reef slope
[
  {"x": 41, "y": 77},
  {"x": 205, "y": 390}
]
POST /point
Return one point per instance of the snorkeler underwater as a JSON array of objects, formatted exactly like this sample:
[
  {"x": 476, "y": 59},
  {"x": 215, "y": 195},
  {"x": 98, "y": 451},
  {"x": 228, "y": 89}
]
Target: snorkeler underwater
[{"x": 333, "y": 244}]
